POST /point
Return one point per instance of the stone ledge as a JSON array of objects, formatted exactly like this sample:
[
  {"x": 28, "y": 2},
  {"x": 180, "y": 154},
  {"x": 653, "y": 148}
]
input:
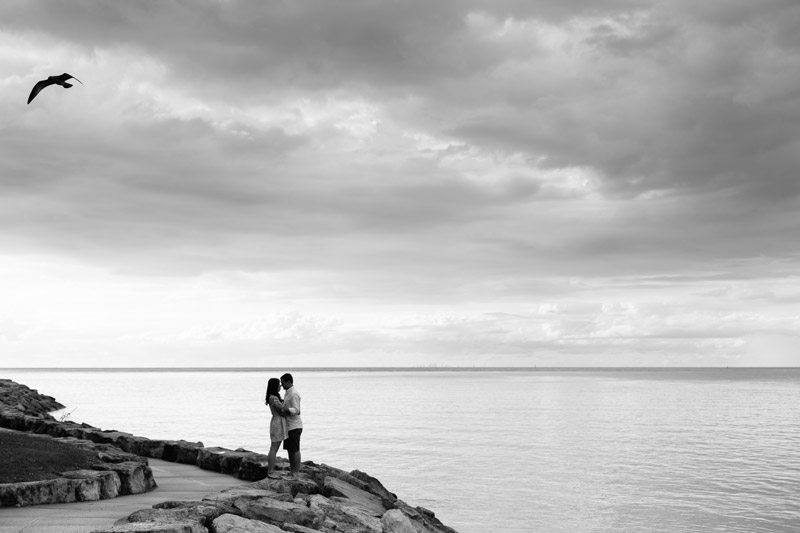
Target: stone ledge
[{"x": 58, "y": 490}]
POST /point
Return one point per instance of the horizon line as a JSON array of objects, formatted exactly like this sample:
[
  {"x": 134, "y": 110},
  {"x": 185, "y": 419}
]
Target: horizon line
[{"x": 423, "y": 368}]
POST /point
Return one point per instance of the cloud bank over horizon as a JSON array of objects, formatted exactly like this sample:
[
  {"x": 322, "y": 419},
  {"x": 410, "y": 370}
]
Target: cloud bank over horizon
[{"x": 239, "y": 183}]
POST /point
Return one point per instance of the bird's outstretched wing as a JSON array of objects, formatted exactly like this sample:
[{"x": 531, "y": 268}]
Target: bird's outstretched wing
[
  {"x": 38, "y": 88},
  {"x": 66, "y": 76}
]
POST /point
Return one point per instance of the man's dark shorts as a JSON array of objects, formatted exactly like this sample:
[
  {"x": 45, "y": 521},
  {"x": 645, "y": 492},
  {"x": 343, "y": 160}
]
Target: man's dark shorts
[{"x": 292, "y": 444}]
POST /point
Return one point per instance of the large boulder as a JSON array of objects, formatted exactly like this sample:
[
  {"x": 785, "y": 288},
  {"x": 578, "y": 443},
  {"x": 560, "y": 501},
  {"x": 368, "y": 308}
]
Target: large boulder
[
  {"x": 59, "y": 490},
  {"x": 231, "y": 461},
  {"x": 223, "y": 507},
  {"x": 423, "y": 519},
  {"x": 182, "y": 451},
  {"x": 150, "y": 448},
  {"x": 232, "y": 495},
  {"x": 229, "y": 523},
  {"x": 105, "y": 484},
  {"x": 201, "y": 514},
  {"x": 346, "y": 518},
  {"x": 72, "y": 429},
  {"x": 140, "y": 446},
  {"x": 394, "y": 521},
  {"x": 135, "y": 477},
  {"x": 375, "y": 487},
  {"x": 114, "y": 455},
  {"x": 275, "y": 512},
  {"x": 211, "y": 458},
  {"x": 346, "y": 494},
  {"x": 301, "y": 484},
  {"x": 319, "y": 472},
  {"x": 11, "y": 418},
  {"x": 46, "y": 426},
  {"x": 14, "y": 419},
  {"x": 253, "y": 467},
  {"x": 100, "y": 436}
]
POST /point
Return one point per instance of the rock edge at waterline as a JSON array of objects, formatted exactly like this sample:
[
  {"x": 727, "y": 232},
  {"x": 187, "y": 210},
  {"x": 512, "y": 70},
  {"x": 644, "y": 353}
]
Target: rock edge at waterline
[{"x": 320, "y": 499}]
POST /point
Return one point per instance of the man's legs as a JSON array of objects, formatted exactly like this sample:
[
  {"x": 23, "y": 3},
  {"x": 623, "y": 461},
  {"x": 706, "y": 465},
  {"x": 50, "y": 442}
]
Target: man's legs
[{"x": 293, "y": 449}]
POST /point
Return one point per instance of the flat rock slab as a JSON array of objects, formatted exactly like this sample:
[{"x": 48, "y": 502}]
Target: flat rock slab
[
  {"x": 278, "y": 512},
  {"x": 153, "y": 527},
  {"x": 346, "y": 494},
  {"x": 229, "y": 523}
]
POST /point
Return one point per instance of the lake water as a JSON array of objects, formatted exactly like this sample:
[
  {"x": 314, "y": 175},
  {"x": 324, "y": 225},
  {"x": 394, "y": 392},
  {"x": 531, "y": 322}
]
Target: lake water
[{"x": 502, "y": 451}]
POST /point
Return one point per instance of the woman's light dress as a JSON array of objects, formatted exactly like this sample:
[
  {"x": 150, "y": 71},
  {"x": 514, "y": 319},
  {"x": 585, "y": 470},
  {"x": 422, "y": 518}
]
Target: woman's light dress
[{"x": 277, "y": 426}]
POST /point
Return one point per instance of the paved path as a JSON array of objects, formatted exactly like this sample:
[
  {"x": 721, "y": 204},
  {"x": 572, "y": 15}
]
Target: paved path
[{"x": 175, "y": 482}]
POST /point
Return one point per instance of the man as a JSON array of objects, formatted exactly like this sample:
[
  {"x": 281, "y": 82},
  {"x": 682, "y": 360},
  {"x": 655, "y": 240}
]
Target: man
[{"x": 294, "y": 424}]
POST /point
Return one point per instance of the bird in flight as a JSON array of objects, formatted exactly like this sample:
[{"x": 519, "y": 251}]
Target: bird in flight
[{"x": 52, "y": 80}]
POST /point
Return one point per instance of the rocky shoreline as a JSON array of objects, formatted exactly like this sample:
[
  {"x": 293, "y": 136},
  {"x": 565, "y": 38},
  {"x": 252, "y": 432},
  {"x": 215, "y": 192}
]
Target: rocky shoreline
[{"x": 322, "y": 499}]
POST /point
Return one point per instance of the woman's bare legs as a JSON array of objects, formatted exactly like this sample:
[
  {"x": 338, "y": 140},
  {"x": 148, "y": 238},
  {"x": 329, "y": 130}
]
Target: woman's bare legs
[{"x": 273, "y": 452}]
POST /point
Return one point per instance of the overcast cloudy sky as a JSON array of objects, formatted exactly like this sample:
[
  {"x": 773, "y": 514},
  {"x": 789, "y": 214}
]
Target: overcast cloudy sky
[{"x": 411, "y": 182}]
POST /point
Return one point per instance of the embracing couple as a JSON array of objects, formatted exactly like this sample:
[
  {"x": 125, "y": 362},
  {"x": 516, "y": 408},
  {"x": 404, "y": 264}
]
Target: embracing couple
[{"x": 286, "y": 424}]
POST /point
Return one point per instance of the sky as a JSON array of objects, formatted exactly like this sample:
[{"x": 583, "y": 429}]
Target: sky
[{"x": 400, "y": 183}]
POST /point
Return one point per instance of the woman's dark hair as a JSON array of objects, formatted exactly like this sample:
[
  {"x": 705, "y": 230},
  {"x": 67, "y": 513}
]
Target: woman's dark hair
[{"x": 273, "y": 388}]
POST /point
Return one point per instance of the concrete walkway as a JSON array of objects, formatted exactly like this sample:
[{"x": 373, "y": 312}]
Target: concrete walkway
[{"x": 175, "y": 482}]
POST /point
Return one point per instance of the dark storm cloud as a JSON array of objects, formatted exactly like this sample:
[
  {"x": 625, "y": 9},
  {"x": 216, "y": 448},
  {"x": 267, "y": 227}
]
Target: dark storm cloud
[
  {"x": 396, "y": 39},
  {"x": 695, "y": 104},
  {"x": 653, "y": 96}
]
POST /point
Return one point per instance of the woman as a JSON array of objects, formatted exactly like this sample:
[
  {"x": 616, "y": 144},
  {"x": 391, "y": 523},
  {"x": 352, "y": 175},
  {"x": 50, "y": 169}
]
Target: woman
[{"x": 277, "y": 426}]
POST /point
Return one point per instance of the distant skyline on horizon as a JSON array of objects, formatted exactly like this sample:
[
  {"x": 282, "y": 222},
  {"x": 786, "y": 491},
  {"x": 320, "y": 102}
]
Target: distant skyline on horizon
[{"x": 604, "y": 183}]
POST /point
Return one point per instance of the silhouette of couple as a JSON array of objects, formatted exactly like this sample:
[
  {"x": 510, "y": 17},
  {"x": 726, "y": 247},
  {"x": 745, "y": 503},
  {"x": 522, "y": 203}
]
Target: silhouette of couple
[{"x": 286, "y": 424}]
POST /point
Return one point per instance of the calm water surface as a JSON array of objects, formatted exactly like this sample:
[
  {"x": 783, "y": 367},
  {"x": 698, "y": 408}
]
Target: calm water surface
[{"x": 503, "y": 451}]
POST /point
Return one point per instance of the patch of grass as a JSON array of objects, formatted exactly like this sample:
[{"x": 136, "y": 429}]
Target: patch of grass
[{"x": 26, "y": 457}]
